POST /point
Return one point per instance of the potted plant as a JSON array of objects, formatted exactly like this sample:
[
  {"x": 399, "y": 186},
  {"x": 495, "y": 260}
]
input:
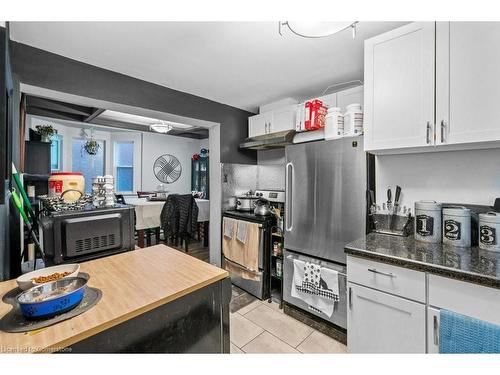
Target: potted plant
[
  {"x": 45, "y": 131},
  {"x": 91, "y": 147}
]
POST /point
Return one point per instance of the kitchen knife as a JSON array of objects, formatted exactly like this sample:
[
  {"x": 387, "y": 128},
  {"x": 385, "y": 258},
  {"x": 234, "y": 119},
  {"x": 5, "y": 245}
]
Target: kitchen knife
[
  {"x": 396, "y": 196},
  {"x": 396, "y": 206},
  {"x": 389, "y": 198}
]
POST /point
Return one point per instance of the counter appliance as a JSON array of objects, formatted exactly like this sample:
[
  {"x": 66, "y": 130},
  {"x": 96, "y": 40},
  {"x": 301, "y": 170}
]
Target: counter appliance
[{"x": 75, "y": 236}]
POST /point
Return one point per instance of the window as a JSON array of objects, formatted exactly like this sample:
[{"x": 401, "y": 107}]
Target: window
[
  {"x": 56, "y": 153},
  {"x": 124, "y": 166},
  {"x": 89, "y": 165}
]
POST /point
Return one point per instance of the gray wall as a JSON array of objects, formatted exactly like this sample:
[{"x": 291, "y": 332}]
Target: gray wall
[{"x": 47, "y": 70}]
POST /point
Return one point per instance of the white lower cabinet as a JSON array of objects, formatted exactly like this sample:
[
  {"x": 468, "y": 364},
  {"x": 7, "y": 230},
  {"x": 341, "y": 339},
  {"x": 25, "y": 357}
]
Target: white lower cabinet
[{"x": 379, "y": 322}]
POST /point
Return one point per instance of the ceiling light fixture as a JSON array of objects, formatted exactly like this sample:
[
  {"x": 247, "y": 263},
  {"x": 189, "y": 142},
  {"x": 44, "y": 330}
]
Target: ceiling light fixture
[
  {"x": 317, "y": 29},
  {"x": 161, "y": 127}
]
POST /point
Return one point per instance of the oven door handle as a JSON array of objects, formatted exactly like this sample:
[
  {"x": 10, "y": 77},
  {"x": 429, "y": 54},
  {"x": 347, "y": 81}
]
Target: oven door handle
[{"x": 261, "y": 247}]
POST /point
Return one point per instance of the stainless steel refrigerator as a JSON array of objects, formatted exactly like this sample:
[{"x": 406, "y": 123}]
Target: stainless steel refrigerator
[{"x": 325, "y": 209}]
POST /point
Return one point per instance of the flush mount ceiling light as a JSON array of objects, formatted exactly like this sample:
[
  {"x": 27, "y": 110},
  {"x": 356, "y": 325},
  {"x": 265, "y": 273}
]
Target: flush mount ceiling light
[
  {"x": 161, "y": 127},
  {"x": 317, "y": 29}
]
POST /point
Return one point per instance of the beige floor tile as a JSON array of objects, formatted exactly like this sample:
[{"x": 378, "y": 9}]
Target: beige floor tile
[
  {"x": 266, "y": 343},
  {"x": 242, "y": 330},
  {"x": 236, "y": 350},
  {"x": 284, "y": 327},
  {"x": 317, "y": 342},
  {"x": 273, "y": 305},
  {"x": 249, "y": 307}
]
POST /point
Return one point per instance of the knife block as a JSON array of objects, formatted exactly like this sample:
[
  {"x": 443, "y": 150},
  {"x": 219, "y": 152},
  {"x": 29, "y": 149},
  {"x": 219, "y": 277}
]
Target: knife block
[{"x": 401, "y": 225}]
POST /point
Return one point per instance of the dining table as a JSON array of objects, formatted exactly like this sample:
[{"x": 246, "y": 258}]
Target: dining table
[{"x": 148, "y": 216}]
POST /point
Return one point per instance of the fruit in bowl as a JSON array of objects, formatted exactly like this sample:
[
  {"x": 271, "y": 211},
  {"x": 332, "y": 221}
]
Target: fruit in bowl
[{"x": 45, "y": 275}]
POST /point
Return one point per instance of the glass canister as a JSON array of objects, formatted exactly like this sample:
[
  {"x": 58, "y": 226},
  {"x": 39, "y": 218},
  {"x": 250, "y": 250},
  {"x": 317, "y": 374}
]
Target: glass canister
[
  {"x": 457, "y": 226},
  {"x": 428, "y": 221},
  {"x": 489, "y": 229}
]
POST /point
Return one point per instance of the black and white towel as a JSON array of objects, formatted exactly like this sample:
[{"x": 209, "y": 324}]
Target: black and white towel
[{"x": 317, "y": 286}]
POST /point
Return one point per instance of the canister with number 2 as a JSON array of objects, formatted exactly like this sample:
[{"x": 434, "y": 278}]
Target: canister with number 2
[{"x": 457, "y": 226}]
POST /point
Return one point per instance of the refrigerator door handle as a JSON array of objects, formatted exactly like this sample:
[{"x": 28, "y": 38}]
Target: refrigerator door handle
[{"x": 289, "y": 186}]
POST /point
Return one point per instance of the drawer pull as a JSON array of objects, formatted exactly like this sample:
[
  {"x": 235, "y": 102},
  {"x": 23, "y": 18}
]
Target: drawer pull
[{"x": 381, "y": 273}]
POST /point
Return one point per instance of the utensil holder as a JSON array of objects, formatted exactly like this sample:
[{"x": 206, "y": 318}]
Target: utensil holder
[{"x": 401, "y": 225}]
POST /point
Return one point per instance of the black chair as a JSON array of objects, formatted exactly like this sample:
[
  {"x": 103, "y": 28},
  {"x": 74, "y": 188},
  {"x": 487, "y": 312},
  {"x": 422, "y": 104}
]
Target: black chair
[{"x": 179, "y": 219}]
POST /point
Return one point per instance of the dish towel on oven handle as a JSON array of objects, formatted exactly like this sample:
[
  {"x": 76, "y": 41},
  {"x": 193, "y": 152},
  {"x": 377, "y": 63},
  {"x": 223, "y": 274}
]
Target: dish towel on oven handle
[
  {"x": 242, "y": 232},
  {"x": 229, "y": 227},
  {"x": 320, "y": 293}
]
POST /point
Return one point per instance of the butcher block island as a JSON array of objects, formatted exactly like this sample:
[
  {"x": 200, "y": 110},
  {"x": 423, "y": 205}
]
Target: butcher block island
[{"x": 155, "y": 299}]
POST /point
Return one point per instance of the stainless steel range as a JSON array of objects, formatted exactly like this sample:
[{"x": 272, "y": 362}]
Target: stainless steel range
[{"x": 251, "y": 275}]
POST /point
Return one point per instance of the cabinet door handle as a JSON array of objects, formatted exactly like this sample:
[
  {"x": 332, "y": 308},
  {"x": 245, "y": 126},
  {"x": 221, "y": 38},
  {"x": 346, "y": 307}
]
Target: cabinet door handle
[
  {"x": 428, "y": 132},
  {"x": 350, "y": 298},
  {"x": 265, "y": 128},
  {"x": 381, "y": 273},
  {"x": 269, "y": 127},
  {"x": 443, "y": 131},
  {"x": 436, "y": 327}
]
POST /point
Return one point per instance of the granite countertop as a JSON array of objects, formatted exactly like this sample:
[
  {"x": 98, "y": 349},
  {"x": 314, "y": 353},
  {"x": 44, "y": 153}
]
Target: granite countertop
[{"x": 466, "y": 264}]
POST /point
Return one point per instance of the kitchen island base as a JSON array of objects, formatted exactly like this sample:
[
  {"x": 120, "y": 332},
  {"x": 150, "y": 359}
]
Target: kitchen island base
[{"x": 195, "y": 323}]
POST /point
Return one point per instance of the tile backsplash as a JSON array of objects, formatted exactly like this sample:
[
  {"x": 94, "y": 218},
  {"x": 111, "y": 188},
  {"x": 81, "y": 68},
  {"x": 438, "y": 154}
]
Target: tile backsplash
[{"x": 239, "y": 178}]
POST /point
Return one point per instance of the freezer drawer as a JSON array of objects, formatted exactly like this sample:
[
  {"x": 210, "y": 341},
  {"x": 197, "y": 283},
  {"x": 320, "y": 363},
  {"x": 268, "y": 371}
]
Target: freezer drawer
[{"x": 339, "y": 316}]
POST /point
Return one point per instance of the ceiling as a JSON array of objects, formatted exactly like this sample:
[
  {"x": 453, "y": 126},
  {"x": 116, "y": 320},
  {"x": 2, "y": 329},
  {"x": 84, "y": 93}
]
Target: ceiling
[
  {"x": 243, "y": 64},
  {"x": 87, "y": 117}
]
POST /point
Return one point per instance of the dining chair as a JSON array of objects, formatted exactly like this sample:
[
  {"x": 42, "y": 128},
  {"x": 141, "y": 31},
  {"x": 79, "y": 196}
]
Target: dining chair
[{"x": 150, "y": 231}]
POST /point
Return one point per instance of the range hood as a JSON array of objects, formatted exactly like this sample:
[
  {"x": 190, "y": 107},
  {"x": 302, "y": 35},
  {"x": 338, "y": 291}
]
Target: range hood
[{"x": 269, "y": 141}]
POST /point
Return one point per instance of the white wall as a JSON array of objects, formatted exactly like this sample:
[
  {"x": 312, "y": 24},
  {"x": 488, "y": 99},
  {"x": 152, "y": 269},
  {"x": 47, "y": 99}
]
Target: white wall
[
  {"x": 69, "y": 133},
  {"x": 453, "y": 176},
  {"x": 154, "y": 146},
  {"x": 148, "y": 147}
]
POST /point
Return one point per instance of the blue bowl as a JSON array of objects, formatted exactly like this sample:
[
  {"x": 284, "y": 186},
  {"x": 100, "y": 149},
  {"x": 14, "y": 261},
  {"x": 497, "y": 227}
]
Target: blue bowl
[{"x": 53, "y": 298}]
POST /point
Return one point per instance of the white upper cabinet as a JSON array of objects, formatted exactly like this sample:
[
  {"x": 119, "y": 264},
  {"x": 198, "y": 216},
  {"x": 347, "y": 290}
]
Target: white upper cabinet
[
  {"x": 329, "y": 100},
  {"x": 259, "y": 124},
  {"x": 467, "y": 82},
  {"x": 350, "y": 96},
  {"x": 399, "y": 88},
  {"x": 283, "y": 119}
]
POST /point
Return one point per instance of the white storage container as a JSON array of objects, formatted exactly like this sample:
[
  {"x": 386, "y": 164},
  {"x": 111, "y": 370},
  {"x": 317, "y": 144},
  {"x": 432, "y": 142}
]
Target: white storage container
[
  {"x": 457, "y": 226},
  {"x": 334, "y": 127},
  {"x": 353, "y": 120},
  {"x": 428, "y": 221},
  {"x": 489, "y": 229}
]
